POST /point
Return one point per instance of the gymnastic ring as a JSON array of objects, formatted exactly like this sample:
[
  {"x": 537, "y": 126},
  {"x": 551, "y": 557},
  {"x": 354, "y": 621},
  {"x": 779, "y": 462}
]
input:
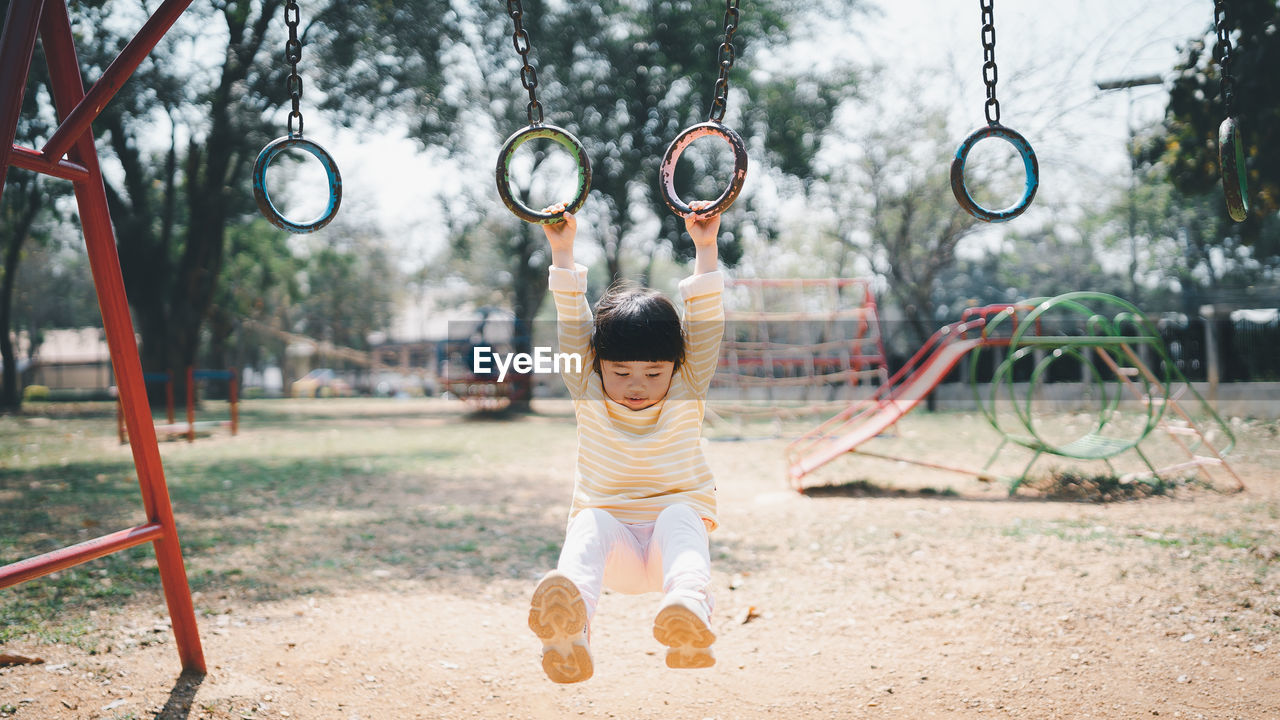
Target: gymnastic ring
[
  {"x": 1235, "y": 176},
  {"x": 667, "y": 171},
  {"x": 1028, "y": 162},
  {"x": 268, "y": 208},
  {"x": 570, "y": 143}
]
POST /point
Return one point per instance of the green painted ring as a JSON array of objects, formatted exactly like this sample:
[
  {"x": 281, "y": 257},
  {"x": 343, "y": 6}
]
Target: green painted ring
[
  {"x": 503, "y": 172},
  {"x": 1235, "y": 176}
]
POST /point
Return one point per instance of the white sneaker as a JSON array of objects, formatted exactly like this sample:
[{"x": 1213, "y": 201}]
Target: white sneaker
[
  {"x": 682, "y": 625},
  {"x": 558, "y": 616}
]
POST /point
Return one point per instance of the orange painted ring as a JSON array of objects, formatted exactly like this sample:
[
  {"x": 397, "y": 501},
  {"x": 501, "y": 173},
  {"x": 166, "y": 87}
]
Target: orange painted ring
[{"x": 667, "y": 171}]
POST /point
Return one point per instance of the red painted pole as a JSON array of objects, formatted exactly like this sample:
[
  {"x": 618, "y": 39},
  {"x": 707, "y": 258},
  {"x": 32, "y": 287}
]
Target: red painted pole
[
  {"x": 29, "y": 159},
  {"x": 95, "y": 218},
  {"x": 17, "y": 42},
  {"x": 52, "y": 562}
]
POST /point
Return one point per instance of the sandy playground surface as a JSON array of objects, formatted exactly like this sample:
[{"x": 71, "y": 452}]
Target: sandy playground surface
[{"x": 849, "y": 603}]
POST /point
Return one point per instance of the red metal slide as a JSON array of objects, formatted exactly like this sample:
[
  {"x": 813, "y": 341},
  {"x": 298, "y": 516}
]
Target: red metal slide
[{"x": 904, "y": 391}]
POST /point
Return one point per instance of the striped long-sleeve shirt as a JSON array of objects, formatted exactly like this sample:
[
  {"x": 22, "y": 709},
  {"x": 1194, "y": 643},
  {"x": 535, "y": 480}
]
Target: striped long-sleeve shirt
[{"x": 634, "y": 463}]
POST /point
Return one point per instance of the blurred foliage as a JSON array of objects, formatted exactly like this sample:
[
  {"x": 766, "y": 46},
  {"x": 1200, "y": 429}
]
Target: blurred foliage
[{"x": 625, "y": 76}]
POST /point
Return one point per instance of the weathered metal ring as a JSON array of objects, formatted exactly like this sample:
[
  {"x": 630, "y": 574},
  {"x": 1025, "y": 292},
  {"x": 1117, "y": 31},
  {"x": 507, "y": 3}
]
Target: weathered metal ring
[
  {"x": 667, "y": 171},
  {"x": 1029, "y": 163},
  {"x": 570, "y": 143},
  {"x": 268, "y": 208},
  {"x": 1235, "y": 177}
]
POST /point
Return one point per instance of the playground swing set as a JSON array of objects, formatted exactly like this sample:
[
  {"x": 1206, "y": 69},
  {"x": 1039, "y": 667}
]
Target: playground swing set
[
  {"x": 70, "y": 154},
  {"x": 189, "y": 428}
]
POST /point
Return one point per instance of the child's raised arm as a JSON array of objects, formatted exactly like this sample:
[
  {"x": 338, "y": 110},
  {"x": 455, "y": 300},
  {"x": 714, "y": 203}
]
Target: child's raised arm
[
  {"x": 560, "y": 236},
  {"x": 703, "y": 230}
]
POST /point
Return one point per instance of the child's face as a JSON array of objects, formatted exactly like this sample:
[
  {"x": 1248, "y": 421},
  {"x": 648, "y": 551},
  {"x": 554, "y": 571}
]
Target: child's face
[{"x": 637, "y": 384}]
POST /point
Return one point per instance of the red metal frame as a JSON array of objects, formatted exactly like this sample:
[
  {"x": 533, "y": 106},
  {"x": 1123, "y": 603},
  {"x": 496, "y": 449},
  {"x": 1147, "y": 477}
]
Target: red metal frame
[{"x": 76, "y": 110}]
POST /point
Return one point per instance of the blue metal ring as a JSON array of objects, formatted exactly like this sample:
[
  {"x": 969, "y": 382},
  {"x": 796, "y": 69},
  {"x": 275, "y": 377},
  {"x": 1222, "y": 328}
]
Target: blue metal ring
[
  {"x": 268, "y": 208},
  {"x": 1028, "y": 162}
]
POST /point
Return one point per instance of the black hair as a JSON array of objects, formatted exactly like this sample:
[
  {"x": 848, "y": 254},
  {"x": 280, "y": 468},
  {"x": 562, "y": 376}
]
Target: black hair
[{"x": 634, "y": 323}]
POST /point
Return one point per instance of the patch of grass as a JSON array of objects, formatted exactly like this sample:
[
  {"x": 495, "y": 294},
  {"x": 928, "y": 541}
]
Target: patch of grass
[
  {"x": 1100, "y": 488},
  {"x": 866, "y": 488}
]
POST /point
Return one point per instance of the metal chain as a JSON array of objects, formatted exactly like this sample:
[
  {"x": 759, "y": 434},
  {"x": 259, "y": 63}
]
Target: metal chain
[
  {"x": 989, "y": 72},
  {"x": 528, "y": 76},
  {"x": 1223, "y": 50},
  {"x": 725, "y": 57},
  {"x": 292, "y": 54}
]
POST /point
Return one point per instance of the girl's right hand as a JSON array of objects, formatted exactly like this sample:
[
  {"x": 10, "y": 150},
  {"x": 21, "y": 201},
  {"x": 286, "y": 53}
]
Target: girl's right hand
[{"x": 560, "y": 234}]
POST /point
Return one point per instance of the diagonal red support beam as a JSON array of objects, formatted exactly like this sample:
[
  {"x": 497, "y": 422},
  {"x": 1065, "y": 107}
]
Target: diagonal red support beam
[
  {"x": 78, "y": 119},
  {"x": 29, "y": 159},
  {"x": 95, "y": 219},
  {"x": 51, "y": 562}
]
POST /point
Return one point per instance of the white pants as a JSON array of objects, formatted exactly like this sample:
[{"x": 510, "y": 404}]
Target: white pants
[{"x": 669, "y": 555}]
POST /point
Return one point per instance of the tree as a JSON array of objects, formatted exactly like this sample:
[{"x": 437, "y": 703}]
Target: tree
[
  {"x": 19, "y": 208},
  {"x": 902, "y": 217},
  {"x": 173, "y": 205},
  {"x": 26, "y": 198},
  {"x": 1196, "y": 108}
]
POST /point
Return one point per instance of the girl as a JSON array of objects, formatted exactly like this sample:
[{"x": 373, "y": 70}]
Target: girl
[{"x": 644, "y": 498}]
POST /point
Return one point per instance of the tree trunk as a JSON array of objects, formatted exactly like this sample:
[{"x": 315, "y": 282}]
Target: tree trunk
[
  {"x": 10, "y": 397},
  {"x": 529, "y": 288}
]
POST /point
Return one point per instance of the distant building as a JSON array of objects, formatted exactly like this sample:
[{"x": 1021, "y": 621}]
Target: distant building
[{"x": 69, "y": 359}]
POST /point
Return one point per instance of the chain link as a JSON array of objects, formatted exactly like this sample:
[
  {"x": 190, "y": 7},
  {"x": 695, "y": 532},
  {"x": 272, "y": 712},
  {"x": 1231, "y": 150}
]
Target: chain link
[
  {"x": 1223, "y": 52},
  {"x": 725, "y": 57},
  {"x": 292, "y": 54},
  {"x": 989, "y": 72},
  {"x": 528, "y": 75}
]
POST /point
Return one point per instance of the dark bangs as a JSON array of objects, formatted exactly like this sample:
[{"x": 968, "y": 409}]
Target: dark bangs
[{"x": 636, "y": 324}]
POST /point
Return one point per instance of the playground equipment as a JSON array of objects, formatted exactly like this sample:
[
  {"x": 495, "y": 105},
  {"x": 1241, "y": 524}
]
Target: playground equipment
[
  {"x": 713, "y": 126},
  {"x": 1120, "y": 351},
  {"x": 536, "y": 129},
  {"x": 993, "y": 129},
  {"x": 666, "y": 171},
  {"x": 73, "y": 139},
  {"x": 1230, "y": 147},
  {"x": 293, "y": 53},
  {"x": 804, "y": 346},
  {"x": 457, "y": 368},
  {"x": 189, "y": 428}
]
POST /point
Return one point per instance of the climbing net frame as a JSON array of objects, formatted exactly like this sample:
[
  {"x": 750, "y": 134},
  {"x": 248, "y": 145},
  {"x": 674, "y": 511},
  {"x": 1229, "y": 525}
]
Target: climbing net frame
[{"x": 796, "y": 347}]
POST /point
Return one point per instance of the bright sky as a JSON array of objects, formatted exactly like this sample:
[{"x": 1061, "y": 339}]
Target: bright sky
[{"x": 1050, "y": 57}]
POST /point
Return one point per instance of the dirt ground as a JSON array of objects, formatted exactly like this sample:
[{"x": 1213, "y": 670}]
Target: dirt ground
[{"x": 856, "y": 602}]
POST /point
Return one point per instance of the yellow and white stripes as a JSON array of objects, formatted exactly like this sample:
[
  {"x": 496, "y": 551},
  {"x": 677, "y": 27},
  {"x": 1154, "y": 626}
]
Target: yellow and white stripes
[{"x": 633, "y": 464}]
